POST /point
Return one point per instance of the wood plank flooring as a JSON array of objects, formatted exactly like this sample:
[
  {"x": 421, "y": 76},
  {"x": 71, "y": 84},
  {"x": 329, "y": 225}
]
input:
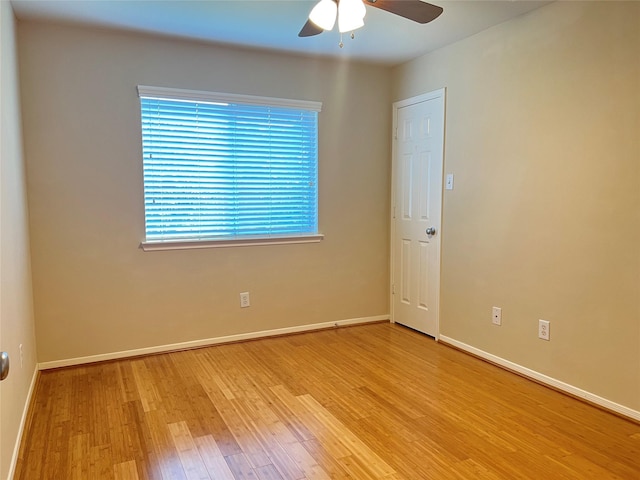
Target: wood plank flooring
[{"x": 369, "y": 402}]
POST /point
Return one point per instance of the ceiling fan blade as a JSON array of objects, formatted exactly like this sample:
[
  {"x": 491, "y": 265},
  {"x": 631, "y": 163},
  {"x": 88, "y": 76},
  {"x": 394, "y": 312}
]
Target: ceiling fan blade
[
  {"x": 416, "y": 10},
  {"x": 310, "y": 29}
]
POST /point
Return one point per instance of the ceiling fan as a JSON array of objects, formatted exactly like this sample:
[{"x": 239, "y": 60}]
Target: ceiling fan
[{"x": 350, "y": 14}]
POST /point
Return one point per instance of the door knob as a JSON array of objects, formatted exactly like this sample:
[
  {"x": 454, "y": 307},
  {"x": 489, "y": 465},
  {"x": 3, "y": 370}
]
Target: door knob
[
  {"x": 4, "y": 365},
  {"x": 431, "y": 231}
]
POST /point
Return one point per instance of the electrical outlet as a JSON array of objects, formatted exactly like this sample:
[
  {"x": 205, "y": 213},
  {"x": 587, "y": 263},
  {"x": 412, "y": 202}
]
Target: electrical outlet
[
  {"x": 244, "y": 300},
  {"x": 496, "y": 316},
  {"x": 21, "y": 356},
  {"x": 544, "y": 330}
]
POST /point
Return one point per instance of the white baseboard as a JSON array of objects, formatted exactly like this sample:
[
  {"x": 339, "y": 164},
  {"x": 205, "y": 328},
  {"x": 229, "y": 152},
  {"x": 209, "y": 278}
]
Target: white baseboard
[
  {"x": 23, "y": 421},
  {"x": 550, "y": 381},
  {"x": 208, "y": 341}
]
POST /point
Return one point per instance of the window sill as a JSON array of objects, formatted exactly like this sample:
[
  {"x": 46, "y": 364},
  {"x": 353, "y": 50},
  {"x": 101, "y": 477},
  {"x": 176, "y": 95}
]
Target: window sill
[{"x": 238, "y": 242}]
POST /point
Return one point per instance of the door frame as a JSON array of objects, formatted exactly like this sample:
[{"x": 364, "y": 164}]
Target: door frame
[{"x": 439, "y": 93}]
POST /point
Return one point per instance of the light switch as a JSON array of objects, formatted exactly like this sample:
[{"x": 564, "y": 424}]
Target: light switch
[{"x": 449, "y": 181}]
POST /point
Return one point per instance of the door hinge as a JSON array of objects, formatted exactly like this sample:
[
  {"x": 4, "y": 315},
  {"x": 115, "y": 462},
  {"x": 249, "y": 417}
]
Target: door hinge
[
  {"x": 393, "y": 289},
  {"x": 395, "y": 134},
  {"x": 394, "y": 211}
]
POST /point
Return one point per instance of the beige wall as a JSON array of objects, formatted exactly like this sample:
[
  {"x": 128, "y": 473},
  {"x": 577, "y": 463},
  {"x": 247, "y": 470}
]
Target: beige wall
[
  {"x": 94, "y": 291},
  {"x": 544, "y": 221},
  {"x": 542, "y": 134},
  {"x": 16, "y": 307}
]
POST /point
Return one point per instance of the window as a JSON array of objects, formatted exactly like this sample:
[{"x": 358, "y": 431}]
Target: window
[{"x": 228, "y": 169}]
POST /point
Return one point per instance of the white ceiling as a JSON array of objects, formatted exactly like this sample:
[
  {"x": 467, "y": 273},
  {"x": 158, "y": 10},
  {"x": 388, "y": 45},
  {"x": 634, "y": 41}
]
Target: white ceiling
[{"x": 274, "y": 24}]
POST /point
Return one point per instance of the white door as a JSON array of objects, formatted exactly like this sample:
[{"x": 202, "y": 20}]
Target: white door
[{"x": 417, "y": 211}]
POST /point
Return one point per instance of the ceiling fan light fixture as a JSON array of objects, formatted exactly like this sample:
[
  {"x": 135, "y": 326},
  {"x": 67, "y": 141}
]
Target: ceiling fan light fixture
[
  {"x": 350, "y": 15},
  {"x": 352, "y": 8},
  {"x": 324, "y": 14},
  {"x": 349, "y": 24}
]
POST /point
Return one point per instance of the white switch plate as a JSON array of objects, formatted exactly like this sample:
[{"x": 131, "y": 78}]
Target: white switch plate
[
  {"x": 448, "y": 185},
  {"x": 496, "y": 316}
]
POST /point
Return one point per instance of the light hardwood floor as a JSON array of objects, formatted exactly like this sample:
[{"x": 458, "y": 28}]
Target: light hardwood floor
[{"x": 370, "y": 402}]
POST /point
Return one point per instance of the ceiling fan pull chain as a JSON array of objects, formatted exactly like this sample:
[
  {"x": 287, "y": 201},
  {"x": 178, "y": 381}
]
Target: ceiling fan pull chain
[
  {"x": 353, "y": 35},
  {"x": 341, "y": 44}
]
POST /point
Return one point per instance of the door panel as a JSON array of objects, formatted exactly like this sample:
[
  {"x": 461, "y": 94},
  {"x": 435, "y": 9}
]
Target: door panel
[
  {"x": 406, "y": 271},
  {"x": 418, "y": 168},
  {"x": 423, "y": 276}
]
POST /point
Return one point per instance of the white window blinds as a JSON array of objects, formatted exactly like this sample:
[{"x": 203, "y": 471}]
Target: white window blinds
[{"x": 222, "y": 166}]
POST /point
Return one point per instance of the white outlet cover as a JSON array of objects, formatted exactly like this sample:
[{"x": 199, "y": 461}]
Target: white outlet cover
[
  {"x": 544, "y": 330},
  {"x": 496, "y": 316},
  {"x": 244, "y": 300}
]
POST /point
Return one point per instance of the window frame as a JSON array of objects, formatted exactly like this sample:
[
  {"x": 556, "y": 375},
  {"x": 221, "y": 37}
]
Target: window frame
[{"x": 216, "y": 97}]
